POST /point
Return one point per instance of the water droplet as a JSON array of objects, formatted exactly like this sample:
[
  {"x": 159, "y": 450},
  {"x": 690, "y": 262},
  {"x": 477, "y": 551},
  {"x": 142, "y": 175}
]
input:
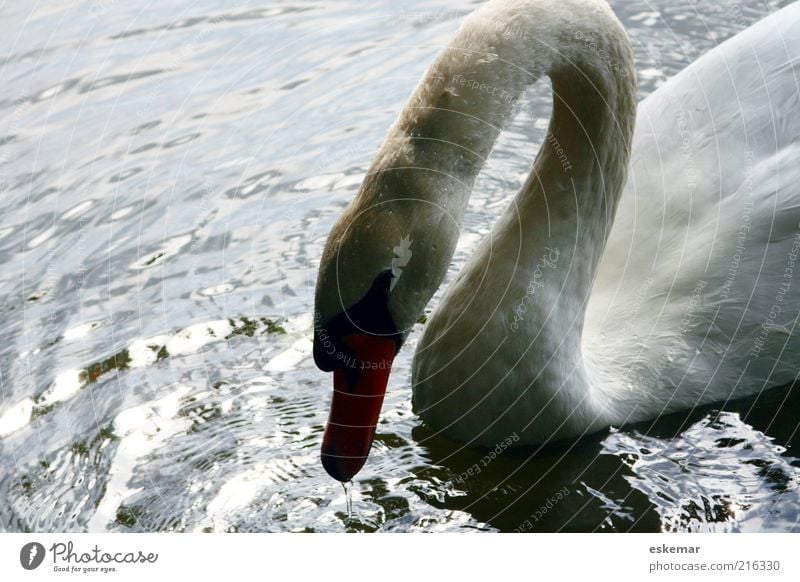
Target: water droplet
[{"x": 348, "y": 494}]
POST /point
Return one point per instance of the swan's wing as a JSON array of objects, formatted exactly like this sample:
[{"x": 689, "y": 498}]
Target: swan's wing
[{"x": 705, "y": 240}]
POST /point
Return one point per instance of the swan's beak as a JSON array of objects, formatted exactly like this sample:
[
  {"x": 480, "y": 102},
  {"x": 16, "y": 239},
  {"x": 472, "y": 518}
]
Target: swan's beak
[{"x": 358, "y": 389}]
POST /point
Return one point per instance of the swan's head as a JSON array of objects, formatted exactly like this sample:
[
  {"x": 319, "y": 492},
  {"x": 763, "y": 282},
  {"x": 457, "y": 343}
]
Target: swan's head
[{"x": 383, "y": 260}]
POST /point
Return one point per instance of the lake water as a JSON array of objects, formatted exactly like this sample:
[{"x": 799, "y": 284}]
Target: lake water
[{"x": 168, "y": 177}]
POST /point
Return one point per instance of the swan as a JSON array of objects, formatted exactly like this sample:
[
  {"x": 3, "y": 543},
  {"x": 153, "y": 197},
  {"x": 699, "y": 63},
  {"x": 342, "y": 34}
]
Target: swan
[{"x": 560, "y": 325}]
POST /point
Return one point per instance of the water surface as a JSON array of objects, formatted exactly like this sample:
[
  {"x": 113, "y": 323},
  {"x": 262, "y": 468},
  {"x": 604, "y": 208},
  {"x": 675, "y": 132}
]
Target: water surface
[{"x": 169, "y": 173}]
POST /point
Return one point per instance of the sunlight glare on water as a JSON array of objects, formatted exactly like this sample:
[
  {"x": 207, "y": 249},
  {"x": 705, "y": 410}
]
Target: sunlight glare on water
[{"x": 169, "y": 177}]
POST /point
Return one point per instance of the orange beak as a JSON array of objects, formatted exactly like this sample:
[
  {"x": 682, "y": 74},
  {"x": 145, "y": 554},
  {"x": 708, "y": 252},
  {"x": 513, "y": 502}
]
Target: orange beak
[{"x": 359, "y": 385}]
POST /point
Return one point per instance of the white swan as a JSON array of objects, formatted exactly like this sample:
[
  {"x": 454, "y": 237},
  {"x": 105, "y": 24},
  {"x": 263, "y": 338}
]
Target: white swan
[{"x": 558, "y": 325}]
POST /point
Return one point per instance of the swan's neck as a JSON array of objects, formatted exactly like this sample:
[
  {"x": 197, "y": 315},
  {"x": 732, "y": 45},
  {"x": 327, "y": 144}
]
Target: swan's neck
[
  {"x": 569, "y": 200},
  {"x": 525, "y": 291},
  {"x": 453, "y": 119},
  {"x": 406, "y": 218}
]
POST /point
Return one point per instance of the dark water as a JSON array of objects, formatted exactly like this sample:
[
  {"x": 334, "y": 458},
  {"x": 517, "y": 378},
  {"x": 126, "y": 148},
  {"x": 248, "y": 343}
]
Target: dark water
[{"x": 168, "y": 176}]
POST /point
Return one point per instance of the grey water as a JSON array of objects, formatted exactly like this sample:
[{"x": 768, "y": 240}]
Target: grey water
[{"x": 169, "y": 172}]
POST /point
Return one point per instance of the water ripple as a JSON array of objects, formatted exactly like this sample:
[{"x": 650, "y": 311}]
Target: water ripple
[{"x": 169, "y": 177}]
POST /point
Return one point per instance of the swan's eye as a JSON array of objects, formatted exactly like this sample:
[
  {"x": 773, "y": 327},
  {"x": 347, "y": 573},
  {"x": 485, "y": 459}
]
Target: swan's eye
[{"x": 369, "y": 316}]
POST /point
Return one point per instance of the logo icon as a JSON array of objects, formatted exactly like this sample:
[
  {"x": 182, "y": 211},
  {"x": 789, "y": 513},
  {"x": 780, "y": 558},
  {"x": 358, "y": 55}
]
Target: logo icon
[
  {"x": 31, "y": 555},
  {"x": 402, "y": 256}
]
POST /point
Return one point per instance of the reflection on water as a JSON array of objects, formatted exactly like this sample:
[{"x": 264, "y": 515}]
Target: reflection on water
[
  {"x": 719, "y": 475},
  {"x": 168, "y": 179}
]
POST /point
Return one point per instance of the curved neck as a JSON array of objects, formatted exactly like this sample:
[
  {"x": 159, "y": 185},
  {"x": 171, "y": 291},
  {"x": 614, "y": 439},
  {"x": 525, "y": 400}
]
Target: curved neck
[
  {"x": 455, "y": 115},
  {"x": 420, "y": 181},
  {"x": 570, "y": 198},
  {"x": 457, "y": 111}
]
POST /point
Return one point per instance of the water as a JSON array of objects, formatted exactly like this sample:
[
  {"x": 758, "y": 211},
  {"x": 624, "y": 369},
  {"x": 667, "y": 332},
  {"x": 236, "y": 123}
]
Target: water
[
  {"x": 169, "y": 176},
  {"x": 348, "y": 494}
]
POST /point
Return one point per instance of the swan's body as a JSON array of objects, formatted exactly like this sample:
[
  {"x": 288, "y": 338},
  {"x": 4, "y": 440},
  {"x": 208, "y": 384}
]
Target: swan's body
[{"x": 561, "y": 325}]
